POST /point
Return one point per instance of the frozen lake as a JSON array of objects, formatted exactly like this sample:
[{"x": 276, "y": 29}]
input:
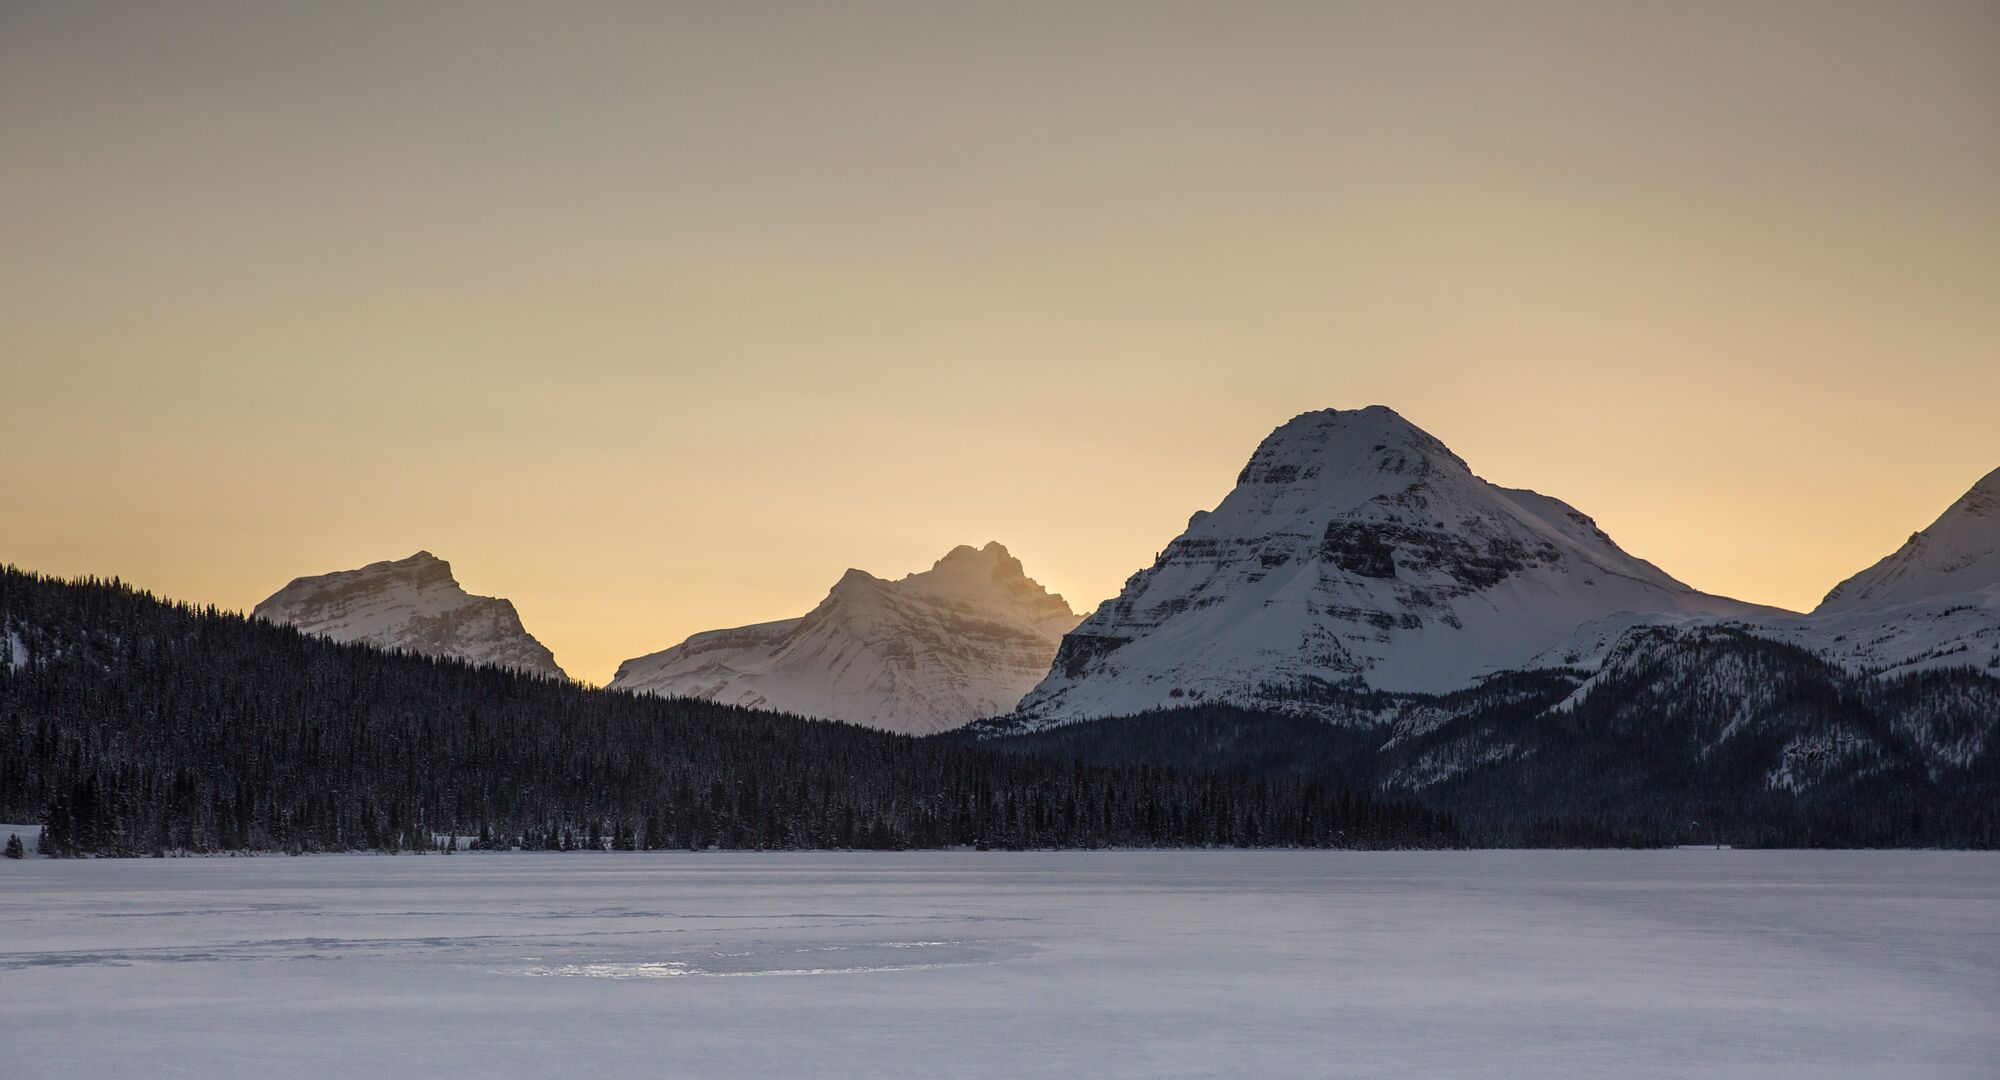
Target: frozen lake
[{"x": 1281, "y": 964}]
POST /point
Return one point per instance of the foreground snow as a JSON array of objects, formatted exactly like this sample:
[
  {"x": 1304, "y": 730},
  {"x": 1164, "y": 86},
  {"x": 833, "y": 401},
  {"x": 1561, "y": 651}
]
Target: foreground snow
[{"x": 1530, "y": 964}]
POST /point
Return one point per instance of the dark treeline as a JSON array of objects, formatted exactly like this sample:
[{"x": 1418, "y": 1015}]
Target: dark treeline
[
  {"x": 1720, "y": 737},
  {"x": 131, "y": 726}
]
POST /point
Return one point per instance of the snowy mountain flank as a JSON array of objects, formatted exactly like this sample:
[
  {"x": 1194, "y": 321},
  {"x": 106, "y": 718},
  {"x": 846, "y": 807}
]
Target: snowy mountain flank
[
  {"x": 1354, "y": 546},
  {"x": 1673, "y": 712},
  {"x": 920, "y": 654},
  {"x": 412, "y": 604},
  {"x": 1959, "y": 554},
  {"x": 1932, "y": 603}
]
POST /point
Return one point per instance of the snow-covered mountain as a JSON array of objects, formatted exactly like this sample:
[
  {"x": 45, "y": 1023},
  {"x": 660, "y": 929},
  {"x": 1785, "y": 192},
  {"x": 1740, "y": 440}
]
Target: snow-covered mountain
[
  {"x": 1932, "y": 603},
  {"x": 1354, "y": 547},
  {"x": 412, "y": 604},
  {"x": 1959, "y": 554},
  {"x": 921, "y": 654}
]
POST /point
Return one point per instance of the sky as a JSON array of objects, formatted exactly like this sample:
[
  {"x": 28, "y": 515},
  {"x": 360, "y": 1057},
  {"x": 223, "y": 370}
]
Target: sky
[{"x": 654, "y": 318}]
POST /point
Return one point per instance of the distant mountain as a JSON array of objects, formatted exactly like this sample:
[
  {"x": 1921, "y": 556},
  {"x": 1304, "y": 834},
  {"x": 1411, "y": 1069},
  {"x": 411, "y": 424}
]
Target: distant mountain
[
  {"x": 920, "y": 654},
  {"x": 412, "y": 604},
  {"x": 1932, "y": 603},
  {"x": 1355, "y": 548}
]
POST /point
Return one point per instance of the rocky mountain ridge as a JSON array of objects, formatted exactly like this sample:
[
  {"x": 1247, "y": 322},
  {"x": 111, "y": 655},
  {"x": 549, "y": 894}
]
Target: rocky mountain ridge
[
  {"x": 917, "y": 655},
  {"x": 413, "y": 604}
]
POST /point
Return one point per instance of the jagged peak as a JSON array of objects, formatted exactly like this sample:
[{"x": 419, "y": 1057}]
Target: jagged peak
[
  {"x": 421, "y": 561},
  {"x": 964, "y": 570},
  {"x": 855, "y": 576},
  {"x": 422, "y": 568},
  {"x": 983, "y": 570},
  {"x": 421, "y": 558},
  {"x": 994, "y": 553},
  {"x": 992, "y": 560}
]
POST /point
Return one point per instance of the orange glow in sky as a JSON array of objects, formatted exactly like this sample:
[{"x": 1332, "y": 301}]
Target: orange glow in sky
[{"x": 655, "y": 319}]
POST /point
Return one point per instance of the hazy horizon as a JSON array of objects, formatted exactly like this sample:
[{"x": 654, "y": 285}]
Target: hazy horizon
[{"x": 655, "y": 320}]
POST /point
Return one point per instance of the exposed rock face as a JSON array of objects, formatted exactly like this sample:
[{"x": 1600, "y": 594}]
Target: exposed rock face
[
  {"x": 921, "y": 654},
  {"x": 1354, "y": 547},
  {"x": 412, "y": 604}
]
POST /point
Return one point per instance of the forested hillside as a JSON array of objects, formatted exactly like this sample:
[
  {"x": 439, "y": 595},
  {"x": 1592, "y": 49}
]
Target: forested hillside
[
  {"x": 1709, "y": 735},
  {"x": 133, "y": 726}
]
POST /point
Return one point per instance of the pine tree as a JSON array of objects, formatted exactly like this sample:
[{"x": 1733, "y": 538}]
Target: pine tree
[{"x": 14, "y": 848}]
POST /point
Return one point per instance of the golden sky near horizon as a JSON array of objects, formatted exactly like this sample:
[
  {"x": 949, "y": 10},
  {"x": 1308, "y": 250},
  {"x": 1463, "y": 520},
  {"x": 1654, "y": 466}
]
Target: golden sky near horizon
[{"x": 655, "y": 318}]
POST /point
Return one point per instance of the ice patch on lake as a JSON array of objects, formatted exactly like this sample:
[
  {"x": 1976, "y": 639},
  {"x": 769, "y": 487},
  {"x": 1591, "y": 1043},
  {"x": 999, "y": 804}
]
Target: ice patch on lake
[
  {"x": 654, "y": 970},
  {"x": 851, "y": 959}
]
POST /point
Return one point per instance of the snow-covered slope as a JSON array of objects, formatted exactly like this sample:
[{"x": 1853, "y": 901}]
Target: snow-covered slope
[
  {"x": 1956, "y": 630},
  {"x": 412, "y": 604},
  {"x": 1932, "y": 603},
  {"x": 1958, "y": 554},
  {"x": 931, "y": 651},
  {"x": 1354, "y": 546}
]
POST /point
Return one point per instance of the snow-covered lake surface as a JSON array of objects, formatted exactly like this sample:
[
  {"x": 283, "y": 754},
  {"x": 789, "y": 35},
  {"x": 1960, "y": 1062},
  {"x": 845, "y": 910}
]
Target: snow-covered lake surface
[{"x": 1278, "y": 964}]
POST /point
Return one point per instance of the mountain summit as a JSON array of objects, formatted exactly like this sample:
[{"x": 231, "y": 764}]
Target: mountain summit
[
  {"x": 1959, "y": 553},
  {"x": 1355, "y": 546},
  {"x": 920, "y": 654},
  {"x": 1932, "y": 603},
  {"x": 412, "y": 604}
]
